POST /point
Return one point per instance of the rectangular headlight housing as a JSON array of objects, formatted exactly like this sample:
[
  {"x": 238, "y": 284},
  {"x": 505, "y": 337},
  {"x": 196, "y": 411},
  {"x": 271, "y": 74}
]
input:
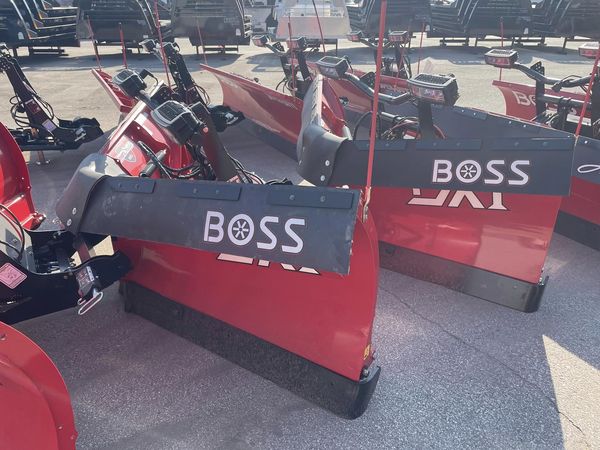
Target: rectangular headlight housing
[
  {"x": 438, "y": 89},
  {"x": 501, "y": 58},
  {"x": 333, "y": 67}
]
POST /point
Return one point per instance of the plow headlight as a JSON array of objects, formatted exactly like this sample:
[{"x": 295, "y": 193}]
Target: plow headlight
[
  {"x": 297, "y": 43},
  {"x": 501, "y": 58},
  {"x": 354, "y": 36},
  {"x": 398, "y": 37},
  {"x": 177, "y": 120},
  {"x": 260, "y": 40},
  {"x": 148, "y": 45},
  {"x": 589, "y": 50},
  {"x": 170, "y": 49},
  {"x": 439, "y": 89},
  {"x": 333, "y": 67},
  {"x": 130, "y": 82}
]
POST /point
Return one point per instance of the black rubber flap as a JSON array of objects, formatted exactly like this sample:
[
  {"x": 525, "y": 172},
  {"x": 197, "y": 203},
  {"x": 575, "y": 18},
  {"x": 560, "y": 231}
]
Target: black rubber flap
[
  {"x": 510, "y": 156},
  {"x": 298, "y": 225},
  {"x": 72, "y": 203},
  {"x": 524, "y": 165},
  {"x": 587, "y": 160}
]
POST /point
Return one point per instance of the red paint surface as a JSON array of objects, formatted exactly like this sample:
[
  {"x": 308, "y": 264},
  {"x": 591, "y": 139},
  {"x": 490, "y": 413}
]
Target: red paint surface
[
  {"x": 275, "y": 111},
  {"x": 124, "y": 103},
  {"x": 35, "y": 410},
  {"x": 511, "y": 242},
  {"x": 15, "y": 187}
]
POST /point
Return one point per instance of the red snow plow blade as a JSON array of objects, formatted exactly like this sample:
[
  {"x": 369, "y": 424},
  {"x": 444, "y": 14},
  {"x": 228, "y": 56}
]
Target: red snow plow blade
[
  {"x": 520, "y": 98},
  {"x": 274, "y": 116},
  {"x": 36, "y": 408},
  {"x": 306, "y": 329},
  {"x": 490, "y": 245},
  {"x": 579, "y": 216},
  {"x": 15, "y": 188},
  {"x": 121, "y": 101}
]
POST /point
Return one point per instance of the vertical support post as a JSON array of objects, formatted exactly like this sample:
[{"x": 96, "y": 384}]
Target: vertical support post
[
  {"x": 588, "y": 93},
  {"x": 89, "y": 24},
  {"x": 123, "y": 49},
  {"x": 201, "y": 41},
  {"x": 373, "y": 133}
]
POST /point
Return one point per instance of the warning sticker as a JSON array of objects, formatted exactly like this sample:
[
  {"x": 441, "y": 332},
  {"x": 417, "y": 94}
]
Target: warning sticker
[{"x": 11, "y": 276}]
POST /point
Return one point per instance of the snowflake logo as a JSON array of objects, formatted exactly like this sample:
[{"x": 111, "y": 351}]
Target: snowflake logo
[
  {"x": 468, "y": 171},
  {"x": 241, "y": 229}
]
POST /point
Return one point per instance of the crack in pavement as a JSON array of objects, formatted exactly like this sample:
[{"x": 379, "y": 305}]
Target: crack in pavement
[{"x": 493, "y": 358}]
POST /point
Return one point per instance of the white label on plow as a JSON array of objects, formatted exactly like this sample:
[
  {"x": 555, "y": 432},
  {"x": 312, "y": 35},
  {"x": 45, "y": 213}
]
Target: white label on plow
[{"x": 10, "y": 276}]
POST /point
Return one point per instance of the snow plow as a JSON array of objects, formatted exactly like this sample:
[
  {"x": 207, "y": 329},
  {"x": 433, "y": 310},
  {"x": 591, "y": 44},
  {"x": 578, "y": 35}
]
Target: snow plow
[
  {"x": 220, "y": 24},
  {"x": 38, "y": 129},
  {"x": 167, "y": 160},
  {"x": 440, "y": 234},
  {"x": 30, "y": 384},
  {"x": 561, "y": 109},
  {"x": 32, "y": 388}
]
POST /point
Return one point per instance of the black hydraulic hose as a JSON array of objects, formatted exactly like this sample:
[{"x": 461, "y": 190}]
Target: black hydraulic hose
[
  {"x": 556, "y": 83},
  {"x": 536, "y": 76},
  {"x": 572, "y": 82},
  {"x": 562, "y": 101},
  {"x": 149, "y": 168}
]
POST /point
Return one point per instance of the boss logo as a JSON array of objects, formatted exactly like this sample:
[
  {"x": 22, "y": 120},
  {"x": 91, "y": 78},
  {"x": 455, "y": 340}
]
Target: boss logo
[
  {"x": 494, "y": 172},
  {"x": 241, "y": 230},
  {"x": 524, "y": 99}
]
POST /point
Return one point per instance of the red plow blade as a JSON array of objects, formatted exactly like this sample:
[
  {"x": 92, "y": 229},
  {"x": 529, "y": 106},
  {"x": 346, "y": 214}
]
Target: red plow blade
[
  {"x": 318, "y": 322},
  {"x": 36, "y": 408},
  {"x": 121, "y": 101},
  {"x": 15, "y": 188},
  {"x": 579, "y": 216}
]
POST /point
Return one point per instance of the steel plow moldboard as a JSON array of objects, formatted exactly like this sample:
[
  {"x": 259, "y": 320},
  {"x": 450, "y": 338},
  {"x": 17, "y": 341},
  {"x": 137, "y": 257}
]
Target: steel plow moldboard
[
  {"x": 516, "y": 165},
  {"x": 303, "y": 226}
]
